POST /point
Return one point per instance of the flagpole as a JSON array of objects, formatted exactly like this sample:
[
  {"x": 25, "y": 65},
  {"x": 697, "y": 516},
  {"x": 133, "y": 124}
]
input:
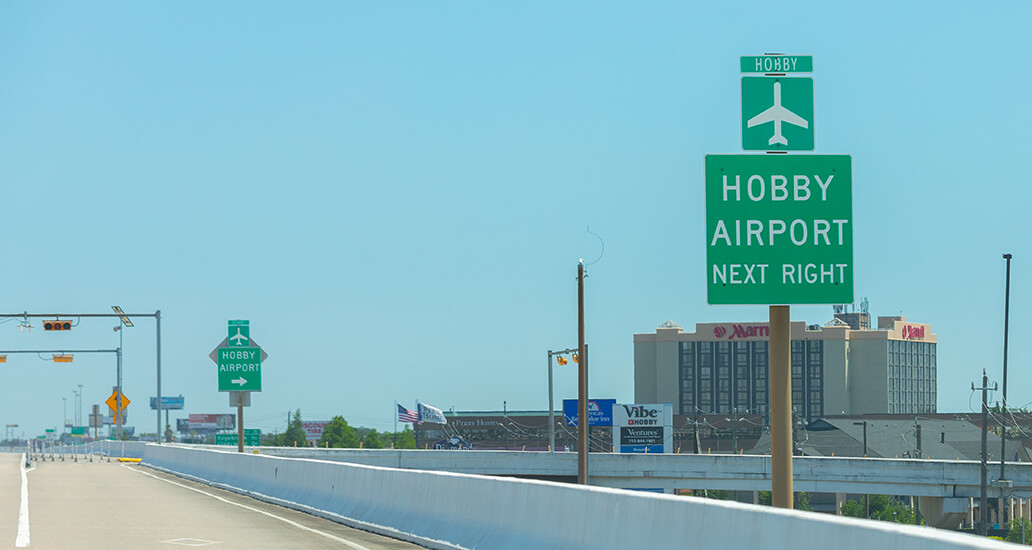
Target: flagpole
[{"x": 394, "y": 442}]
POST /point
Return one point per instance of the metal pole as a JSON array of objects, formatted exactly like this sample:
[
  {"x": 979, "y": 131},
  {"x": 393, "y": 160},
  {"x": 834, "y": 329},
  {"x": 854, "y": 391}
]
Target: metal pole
[
  {"x": 983, "y": 502},
  {"x": 1006, "y": 328},
  {"x": 781, "y": 406},
  {"x": 78, "y": 417},
  {"x": 118, "y": 390},
  {"x": 583, "y": 424},
  {"x": 734, "y": 430},
  {"x": 157, "y": 318},
  {"x": 240, "y": 422},
  {"x": 867, "y": 497},
  {"x": 551, "y": 413}
]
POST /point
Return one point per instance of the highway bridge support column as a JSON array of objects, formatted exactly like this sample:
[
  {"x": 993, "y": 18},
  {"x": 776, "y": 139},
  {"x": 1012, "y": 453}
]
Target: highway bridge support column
[{"x": 780, "y": 377}]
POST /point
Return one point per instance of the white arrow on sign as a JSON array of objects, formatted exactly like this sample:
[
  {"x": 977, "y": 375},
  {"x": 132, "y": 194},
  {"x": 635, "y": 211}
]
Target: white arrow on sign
[{"x": 240, "y": 381}]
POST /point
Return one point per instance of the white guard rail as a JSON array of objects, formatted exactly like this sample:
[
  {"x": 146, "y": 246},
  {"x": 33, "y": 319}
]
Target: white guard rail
[{"x": 448, "y": 510}]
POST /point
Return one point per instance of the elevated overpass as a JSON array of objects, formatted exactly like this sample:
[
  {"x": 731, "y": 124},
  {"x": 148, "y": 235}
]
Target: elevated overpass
[{"x": 917, "y": 477}]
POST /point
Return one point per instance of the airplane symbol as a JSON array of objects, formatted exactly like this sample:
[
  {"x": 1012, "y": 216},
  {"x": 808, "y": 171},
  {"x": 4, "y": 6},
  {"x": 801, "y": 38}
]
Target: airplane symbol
[
  {"x": 778, "y": 114},
  {"x": 236, "y": 339}
]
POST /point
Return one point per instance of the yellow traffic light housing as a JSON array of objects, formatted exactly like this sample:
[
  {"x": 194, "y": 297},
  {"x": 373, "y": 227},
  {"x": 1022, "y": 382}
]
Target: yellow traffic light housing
[
  {"x": 561, "y": 360},
  {"x": 63, "y": 358},
  {"x": 57, "y": 324}
]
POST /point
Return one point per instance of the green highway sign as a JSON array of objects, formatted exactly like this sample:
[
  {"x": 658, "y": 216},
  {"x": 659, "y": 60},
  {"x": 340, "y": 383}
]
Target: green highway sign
[
  {"x": 770, "y": 64},
  {"x": 779, "y": 229},
  {"x": 239, "y": 334},
  {"x": 252, "y": 438},
  {"x": 777, "y": 113},
  {"x": 240, "y": 369}
]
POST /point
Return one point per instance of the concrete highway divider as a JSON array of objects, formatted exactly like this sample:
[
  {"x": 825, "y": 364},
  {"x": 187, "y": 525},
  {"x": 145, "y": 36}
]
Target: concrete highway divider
[{"x": 448, "y": 510}]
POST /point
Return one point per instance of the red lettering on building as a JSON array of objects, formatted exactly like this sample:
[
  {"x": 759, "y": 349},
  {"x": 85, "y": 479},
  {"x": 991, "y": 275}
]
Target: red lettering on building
[
  {"x": 912, "y": 331},
  {"x": 742, "y": 331}
]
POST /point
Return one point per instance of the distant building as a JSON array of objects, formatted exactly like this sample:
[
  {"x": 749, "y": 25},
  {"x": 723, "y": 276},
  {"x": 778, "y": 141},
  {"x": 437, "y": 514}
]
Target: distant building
[
  {"x": 843, "y": 367},
  {"x": 935, "y": 436}
]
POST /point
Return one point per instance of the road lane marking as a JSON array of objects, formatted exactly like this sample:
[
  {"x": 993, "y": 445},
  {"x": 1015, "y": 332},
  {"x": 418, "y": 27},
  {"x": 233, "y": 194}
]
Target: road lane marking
[
  {"x": 23, "y": 512},
  {"x": 335, "y": 538}
]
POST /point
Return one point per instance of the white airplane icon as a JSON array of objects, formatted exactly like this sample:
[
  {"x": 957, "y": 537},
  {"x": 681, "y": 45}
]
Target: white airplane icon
[
  {"x": 777, "y": 114},
  {"x": 236, "y": 339}
]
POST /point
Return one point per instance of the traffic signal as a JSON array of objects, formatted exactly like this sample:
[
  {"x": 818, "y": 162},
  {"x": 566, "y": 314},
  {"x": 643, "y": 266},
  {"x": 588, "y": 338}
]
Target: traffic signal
[
  {"x": 57, "y": 324},
  {"x": 576, "y": 359},
  {"x": 63, "y": 358},
  {"x": 561, "y": 360}
]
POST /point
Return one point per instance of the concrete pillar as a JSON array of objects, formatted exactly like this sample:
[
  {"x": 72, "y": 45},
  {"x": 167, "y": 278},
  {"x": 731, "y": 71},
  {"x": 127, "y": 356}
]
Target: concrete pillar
[
  {"x": 999, "y": 512},
  {"x": 840, "y": 499},
  {"x": 971, "y": 513},
  {"x": 755, "y": 497}
]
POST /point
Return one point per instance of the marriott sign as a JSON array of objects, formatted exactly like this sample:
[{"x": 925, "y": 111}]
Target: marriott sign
[{"x": 737, "y": 331}]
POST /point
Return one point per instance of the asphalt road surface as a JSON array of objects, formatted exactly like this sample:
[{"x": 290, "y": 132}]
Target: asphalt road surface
[{"x": 115, "y": 505}]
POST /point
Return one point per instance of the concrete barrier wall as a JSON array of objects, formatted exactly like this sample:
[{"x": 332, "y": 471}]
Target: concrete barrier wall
[{"x": 447, "y": 510}]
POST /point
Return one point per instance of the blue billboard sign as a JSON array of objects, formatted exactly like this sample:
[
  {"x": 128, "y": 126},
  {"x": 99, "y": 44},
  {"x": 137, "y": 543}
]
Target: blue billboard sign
[
  {"x": 600, "y": 412},
  {"x": 168, "y": 402}
]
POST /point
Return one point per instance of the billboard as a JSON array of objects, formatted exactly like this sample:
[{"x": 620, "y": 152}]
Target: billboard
[
  {"x": 212, "y": 421},
  {"x": 313, "y": 430},
  {"x": 643, "y": 428},
  {"x": 600, "y": 412},
  {"x": 167, "y": 402}
]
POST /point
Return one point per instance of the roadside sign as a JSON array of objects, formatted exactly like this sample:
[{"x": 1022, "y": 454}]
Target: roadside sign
[
  {"x": 777, "y": 63},
  {"x": 643, "y": 428},
  {"x": 600, "y": 412},
  {"x": 779, "y": 229},
  {"x": 777, "y": 113},
  {"x": 239, "y": 334},
  {"x": 240, "y": 369},
  {"x": 176, "y": 402},
  {"x": 214, "y": 355},
  {"x": 112, "y": 402},
  {"x": 252, "y": 438}
]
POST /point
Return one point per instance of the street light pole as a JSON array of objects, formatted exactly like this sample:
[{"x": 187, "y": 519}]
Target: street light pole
[
  {"x": 118, "y": 385},
  {"x": 64, "y": 417},
  {"x": 551, "y": 413},
  {"x": 78, "y": 414},
  {"x": 1006, "y": 328},
  {"x": 551, "y": 403},
  {"x": 583, "y": 423}
]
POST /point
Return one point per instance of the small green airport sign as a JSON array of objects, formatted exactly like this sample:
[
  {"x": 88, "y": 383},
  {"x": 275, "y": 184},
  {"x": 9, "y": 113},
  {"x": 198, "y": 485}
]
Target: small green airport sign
[
  {"x": 777, "y": 113},
  {"x": 775, "y": 64},
  {"x": 239, "y": 334},
  {"x": 779, "y": 229}
]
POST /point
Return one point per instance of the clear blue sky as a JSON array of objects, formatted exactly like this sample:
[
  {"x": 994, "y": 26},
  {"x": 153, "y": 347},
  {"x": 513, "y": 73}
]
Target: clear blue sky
[{"x": 396, "y": 195}]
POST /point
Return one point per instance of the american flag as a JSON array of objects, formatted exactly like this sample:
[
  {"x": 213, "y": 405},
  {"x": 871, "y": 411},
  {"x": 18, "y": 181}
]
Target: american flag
[{"x": 405, "y": 415}]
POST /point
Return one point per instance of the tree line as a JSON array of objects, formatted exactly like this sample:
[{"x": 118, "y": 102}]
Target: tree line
[{"x": 339, "y": 434}]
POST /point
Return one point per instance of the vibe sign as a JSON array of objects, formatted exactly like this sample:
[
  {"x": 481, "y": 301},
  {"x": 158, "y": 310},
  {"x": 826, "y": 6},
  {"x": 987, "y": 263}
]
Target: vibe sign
[{"x": 779, "y": 229}]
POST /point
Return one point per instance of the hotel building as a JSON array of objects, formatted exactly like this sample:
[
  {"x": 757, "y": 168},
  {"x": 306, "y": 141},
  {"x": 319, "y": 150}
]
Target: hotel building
[{"x": 843, "y": 367}]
